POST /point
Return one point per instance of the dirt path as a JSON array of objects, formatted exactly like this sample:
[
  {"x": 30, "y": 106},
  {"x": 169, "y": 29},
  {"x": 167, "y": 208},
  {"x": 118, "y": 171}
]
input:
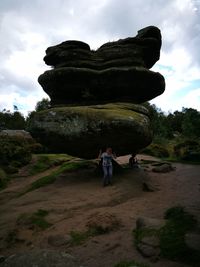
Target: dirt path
[{"x": 71, "y": 204}]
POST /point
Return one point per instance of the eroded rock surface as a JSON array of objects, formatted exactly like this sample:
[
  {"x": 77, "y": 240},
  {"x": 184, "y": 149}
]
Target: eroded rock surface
[
  {"x": 94, "y": 95},
  {"x": 117, "y": 71},
  {"x": 82, "y": 131}
]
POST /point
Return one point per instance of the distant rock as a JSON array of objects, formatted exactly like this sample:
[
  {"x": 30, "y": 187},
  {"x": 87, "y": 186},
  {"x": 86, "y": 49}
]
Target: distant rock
[{"x": 16, "y": 133}]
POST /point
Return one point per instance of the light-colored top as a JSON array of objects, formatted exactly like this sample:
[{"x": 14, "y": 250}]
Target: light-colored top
[{"x": 107, "y": 159}]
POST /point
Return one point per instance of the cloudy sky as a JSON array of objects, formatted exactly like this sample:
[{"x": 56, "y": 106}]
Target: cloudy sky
[{"x": 28, "y": 27}]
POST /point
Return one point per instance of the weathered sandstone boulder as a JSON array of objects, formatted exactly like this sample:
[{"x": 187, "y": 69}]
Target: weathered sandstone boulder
[
  {"x": 82, "y": 131},
  {"x": 117, "y": 71},
  {"x": 94, "y": 95}
]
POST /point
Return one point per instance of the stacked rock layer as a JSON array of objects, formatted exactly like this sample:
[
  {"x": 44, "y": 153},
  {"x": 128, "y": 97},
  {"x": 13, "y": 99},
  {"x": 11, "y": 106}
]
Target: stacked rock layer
[{"x": 95, "y": 95}]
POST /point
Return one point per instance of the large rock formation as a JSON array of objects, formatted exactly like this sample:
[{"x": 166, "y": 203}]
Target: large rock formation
[
  {"x": 94, "y": 95},
  {"x": 117, "y": 71}
]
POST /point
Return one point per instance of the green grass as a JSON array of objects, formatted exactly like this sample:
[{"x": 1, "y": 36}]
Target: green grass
[
  {"x": 139, "y": 234},
  {"x": 37, "y": 219},
  {"x": 78, "y": 238},
  {"x": 172, "y": 236},
  {"x": 49, "y": 179},
  {"x": 46, "y": 161},
  {"x": 130, "y": 264}
]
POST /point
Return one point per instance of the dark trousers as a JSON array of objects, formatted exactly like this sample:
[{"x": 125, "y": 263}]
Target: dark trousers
[{"x": 107, "y": 174}]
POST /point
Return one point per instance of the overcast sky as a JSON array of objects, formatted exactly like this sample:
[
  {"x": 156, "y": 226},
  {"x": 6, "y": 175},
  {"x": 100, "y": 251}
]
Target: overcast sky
[{"x": 28, "y": 27}]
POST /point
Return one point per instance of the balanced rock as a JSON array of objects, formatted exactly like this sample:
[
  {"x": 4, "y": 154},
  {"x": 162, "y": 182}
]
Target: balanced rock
[
  {"x": 95, "y": 95},
  {"x": 117, "y": 71},
  {"x": 81, "y": 131}
]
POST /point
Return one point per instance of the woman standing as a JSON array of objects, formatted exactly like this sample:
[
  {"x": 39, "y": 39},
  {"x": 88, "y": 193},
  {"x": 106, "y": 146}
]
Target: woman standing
[{"x": 107, "y": 165}]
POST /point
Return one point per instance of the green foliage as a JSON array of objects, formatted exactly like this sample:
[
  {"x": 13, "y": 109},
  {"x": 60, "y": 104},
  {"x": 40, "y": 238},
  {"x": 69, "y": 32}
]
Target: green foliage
[
  {"x": 188, "y": 150},
  {"x": 185, "y": 122},
  {"x": 42, "y": 105},
  {"x": 14, "y": 150},
  {"x": 46, "y": 161},
  {"x": 139, "y": 234},
  {"x": 156, "y": 150},
  {"x": 77, "y": 238},
  {"x": 12, "y": 121},
  {"x": 172, "y": 236},
  {"x": 191, "y": 122},
  {"x": 49, "y": 179},
  {"x": 130, "y": 264}
]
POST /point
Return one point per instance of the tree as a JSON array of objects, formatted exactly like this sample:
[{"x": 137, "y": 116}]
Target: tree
[
  {"x": 191, "y": 122},
  {"x": 11, "y": 121},
  {"x": 43, "y": 104}
]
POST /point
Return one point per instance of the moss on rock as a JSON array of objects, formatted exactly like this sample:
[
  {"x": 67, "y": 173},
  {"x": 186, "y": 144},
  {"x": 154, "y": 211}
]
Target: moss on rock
[{"x": 81, "y": 131}]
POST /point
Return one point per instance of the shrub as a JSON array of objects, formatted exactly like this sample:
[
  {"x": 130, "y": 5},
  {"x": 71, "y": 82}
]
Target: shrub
[
  {"x": 14, "y": 149},
  {"x": 156, "y": 150},
  {"x": 172, "y": 235},
  {"x": 188, "y": 150}
]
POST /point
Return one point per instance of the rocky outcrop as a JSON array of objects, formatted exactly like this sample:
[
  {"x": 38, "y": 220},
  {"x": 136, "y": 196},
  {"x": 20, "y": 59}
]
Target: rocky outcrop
[
  {"x": 82, "y": 131},
  {"x": 117, "y": 71},
  {"x": 93, "y": 95}
]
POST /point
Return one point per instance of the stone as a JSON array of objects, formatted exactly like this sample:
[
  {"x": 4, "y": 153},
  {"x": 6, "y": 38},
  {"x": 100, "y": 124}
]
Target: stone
[
  {"x": 68, "y": 85},
  {"x": 148, "y": 251},
  {"x": 163, "y": 168},
  {"x": 95, "y": 96},
  {"x": 192, "y": 240},
  {"x": 41, "y": 258},
  {"x": 16, "y": 133},
  {"x": 2, "y": 258},
  {"x": 151, "y": 223},
  {"x": 59, "y": 240},
  {"x": 117, "y": 71},
  {"x": 81, "y": 131}
]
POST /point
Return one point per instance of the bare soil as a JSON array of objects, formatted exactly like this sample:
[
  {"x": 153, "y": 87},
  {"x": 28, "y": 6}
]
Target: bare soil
[{"x": 74, "y": 199}]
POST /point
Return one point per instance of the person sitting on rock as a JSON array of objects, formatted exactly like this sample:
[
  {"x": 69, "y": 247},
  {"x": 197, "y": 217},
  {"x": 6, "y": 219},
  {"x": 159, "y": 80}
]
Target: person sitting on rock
[
  {"x": 107, "y": 157},
  {"x": 133, "y": 162}
]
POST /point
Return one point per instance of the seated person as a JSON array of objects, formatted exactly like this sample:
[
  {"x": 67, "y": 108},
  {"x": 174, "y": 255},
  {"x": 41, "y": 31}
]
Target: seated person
[{"x": 133, "y": 162}]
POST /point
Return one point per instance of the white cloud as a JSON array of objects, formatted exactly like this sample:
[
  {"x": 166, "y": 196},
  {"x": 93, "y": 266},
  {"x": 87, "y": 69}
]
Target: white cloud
[{"x": 28, "y": 27}]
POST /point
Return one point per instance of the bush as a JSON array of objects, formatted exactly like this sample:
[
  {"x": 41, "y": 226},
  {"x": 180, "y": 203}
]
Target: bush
[
  {"x": 172, "y": 236},
  {"x": 14, "y": 149},
  {"x": 156, "y": 150},
  {"x": 188, "y": 150}
]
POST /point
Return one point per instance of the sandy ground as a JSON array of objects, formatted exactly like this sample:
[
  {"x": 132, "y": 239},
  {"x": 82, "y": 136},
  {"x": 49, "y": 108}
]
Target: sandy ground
[{"x": 76, "y": 198}]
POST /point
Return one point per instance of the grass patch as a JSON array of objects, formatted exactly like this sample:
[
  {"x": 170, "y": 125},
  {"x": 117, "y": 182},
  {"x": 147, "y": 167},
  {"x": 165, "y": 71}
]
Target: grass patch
[
  {"x": 49, "y": 179},
  {"x": 130, "y": 264},
  {"x": 36, "y": 220},
  {"x": 172, "y": 236},
  {"x": 46, "y": 161},
  {"x": 139, "y": 234},
  {"x": 78, "y": 238}
]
